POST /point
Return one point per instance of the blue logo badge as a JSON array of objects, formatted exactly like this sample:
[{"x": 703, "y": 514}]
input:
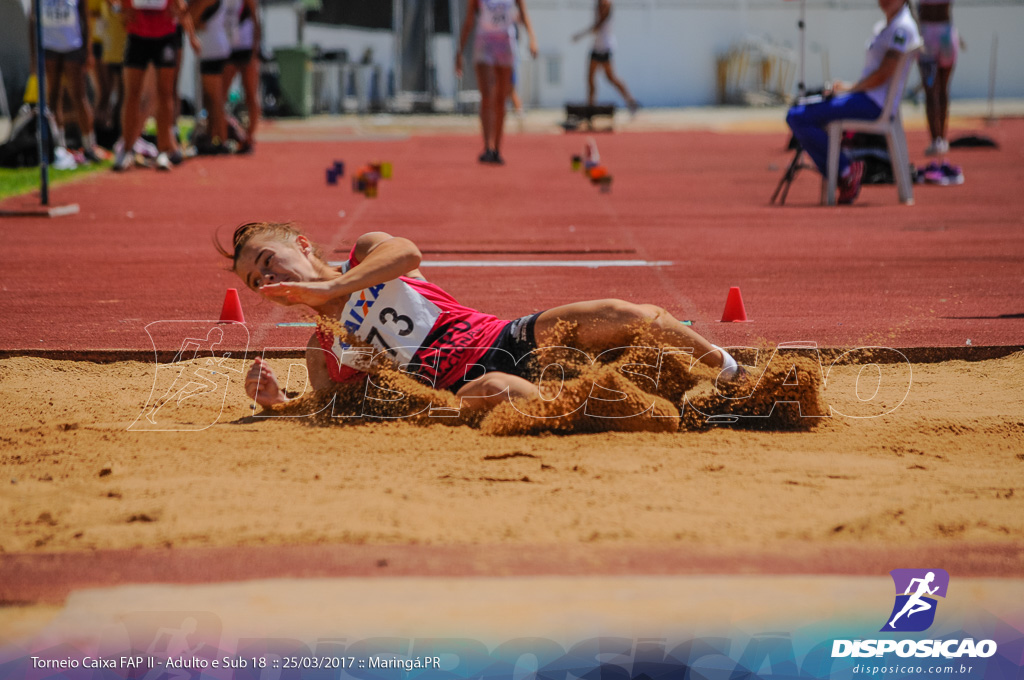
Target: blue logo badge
[{"x": 916, "y": 592}]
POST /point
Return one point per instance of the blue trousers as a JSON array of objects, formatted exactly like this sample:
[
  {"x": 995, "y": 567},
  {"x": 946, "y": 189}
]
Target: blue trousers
[{"x": 808, "y": 121}]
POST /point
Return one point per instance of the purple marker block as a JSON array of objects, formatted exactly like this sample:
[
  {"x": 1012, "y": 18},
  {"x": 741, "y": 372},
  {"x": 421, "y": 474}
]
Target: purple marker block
[
  {"x": 332, "y": 176},
  {"x": 339, "y": 168}
]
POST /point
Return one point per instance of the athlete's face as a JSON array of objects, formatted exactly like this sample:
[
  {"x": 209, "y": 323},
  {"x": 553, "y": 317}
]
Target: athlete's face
[{"x": 266, "y": 260}]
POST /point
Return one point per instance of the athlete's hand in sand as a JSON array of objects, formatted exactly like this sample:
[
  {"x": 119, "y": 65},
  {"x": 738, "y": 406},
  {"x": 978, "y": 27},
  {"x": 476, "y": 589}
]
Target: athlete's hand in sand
[
  {"x": 312, "y": 293},
  {"x": 261, "y": 385}
]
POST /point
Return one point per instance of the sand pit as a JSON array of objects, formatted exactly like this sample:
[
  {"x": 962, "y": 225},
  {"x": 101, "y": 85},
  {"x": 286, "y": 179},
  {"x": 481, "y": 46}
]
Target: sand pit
[{"x": 943, "y": 465}]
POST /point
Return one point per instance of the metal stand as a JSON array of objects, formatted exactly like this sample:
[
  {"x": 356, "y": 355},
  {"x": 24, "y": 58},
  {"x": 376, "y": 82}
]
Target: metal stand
[
  {"x": 41, "y": 128},
  {"x": 795, "y": 166},
  {"x": 801, "y": 86}
]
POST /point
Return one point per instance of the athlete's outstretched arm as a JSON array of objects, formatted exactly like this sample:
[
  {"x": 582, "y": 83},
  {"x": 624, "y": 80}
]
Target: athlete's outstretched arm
[
  {"x": 382, "y": 257},
  {"x": 604, "y": 10}
]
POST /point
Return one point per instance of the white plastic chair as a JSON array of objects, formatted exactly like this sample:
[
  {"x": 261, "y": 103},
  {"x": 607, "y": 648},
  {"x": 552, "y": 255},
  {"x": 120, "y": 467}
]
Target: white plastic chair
[{"x": 890, "y": 124}]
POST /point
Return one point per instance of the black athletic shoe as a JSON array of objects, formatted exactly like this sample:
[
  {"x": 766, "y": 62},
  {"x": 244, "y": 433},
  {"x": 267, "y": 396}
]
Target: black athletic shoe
[
  {"x": 496, "y": 158},
  {"x": 485, "y": 157}
]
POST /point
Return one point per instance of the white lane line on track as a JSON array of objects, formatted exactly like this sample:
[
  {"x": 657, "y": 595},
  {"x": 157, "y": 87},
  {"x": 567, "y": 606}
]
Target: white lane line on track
[{"x": 588, "y": 264}]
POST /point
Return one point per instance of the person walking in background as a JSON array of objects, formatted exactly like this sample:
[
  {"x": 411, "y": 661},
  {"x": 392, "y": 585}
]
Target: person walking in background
[
  {"x": 67, "y": 52},
  {"x": 494, "y": 57},
  {"x": 938, "y": 58},
  {"x": 601, "y": 55}
]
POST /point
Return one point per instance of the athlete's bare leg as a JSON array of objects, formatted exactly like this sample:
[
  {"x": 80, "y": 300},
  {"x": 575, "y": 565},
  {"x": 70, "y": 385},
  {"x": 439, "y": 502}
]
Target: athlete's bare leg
[
  {"x": 607, "y": 324},
  {"x": 485, "y": 81},
  {"x": 609, "y": 73},
  {"x": 591, "y": 82},
  {"x": 83, "y": 110},
  {"x": 165, "y": 105},
  {"x": 502, "y": 86},
  {"x": 494, "y": 388}
]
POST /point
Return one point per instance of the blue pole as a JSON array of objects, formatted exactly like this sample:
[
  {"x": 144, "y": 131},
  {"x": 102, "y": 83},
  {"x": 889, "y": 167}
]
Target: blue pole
[{"x": 41, "y": 126}]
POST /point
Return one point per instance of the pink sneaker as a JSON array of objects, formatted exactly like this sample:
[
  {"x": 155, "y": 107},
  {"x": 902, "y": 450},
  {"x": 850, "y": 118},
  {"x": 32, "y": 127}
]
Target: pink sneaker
[
  {"x": 933, "y": 174},
  {"x": 849, "y": 184}
]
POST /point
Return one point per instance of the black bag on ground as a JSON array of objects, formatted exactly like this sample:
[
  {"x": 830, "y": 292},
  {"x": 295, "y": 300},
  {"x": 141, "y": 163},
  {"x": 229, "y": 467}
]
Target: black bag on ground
[
  {"x": 22, "y": 149},
  {"x": 874, "y": 152}
]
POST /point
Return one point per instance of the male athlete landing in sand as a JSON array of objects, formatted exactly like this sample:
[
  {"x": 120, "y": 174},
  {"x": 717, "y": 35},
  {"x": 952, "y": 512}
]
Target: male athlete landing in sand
[
  {"x": 915, "y": 604},
  {"x": 381, "y": 298}
]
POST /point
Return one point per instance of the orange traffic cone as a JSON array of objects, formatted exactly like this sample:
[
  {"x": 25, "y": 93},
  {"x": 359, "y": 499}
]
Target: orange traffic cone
[
  {"x": 231, "y": 312},
  {"x": 734, "y": 310}
]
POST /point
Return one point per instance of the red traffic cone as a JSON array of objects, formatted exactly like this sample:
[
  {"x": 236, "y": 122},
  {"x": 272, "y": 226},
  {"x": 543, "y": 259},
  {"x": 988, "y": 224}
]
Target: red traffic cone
[
  {"x": 734, "y": 310},
  {"x": 231, "y": 312}
]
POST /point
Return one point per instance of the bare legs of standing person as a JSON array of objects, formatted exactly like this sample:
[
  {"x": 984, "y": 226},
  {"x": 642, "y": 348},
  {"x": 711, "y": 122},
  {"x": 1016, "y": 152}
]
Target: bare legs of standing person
[
  {"x": 495, "y": 83},
  {"x": 937, "y": 107}
]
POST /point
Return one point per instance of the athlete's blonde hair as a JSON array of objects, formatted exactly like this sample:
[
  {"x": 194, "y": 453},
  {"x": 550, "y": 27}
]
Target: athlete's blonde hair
[{"x": 283, "y": 231}]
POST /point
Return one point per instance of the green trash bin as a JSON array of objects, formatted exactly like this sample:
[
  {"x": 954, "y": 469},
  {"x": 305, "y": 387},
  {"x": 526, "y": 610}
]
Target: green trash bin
[{"x": 295, "y": 66}]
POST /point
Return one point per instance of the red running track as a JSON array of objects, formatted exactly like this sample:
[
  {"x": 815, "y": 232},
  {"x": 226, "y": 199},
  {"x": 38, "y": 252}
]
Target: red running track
[{"x": 936, "y": 274}]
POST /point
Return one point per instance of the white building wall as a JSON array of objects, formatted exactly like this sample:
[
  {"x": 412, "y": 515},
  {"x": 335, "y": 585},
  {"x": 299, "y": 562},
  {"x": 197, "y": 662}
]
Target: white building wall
[{"x": 667, "y": 49}]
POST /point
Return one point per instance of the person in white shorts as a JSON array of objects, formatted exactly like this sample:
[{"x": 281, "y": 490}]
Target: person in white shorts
[
  {"x": 210, "y": 18},
  {"x": 245, "y": 31},
  {"x": 938, "y": 58},
  {"x": 494, "y": 56}
]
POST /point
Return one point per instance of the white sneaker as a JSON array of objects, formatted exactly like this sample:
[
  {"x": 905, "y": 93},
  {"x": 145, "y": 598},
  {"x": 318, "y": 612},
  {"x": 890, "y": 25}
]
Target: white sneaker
[
  {"x": 123, "y": 160},
  {"x": 938, "y": 147},
  {"x": 144, "y": 148},
  {"x": 163, "y": 162},
  {"x": 63, "y": 160}
]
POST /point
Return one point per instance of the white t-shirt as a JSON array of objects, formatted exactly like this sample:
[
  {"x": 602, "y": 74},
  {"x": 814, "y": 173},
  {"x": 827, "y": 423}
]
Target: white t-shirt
[
  {"x": 900, "y": 34},
  {"x": 604, "y": 39},
  {"x": 213, "y": 35},
  {"x": 497, "y": 17},
  {"x": 62, "y": 31}
]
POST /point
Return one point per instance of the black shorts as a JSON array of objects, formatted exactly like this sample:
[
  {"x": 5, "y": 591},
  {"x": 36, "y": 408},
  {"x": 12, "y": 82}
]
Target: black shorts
[
  {"x": 161, "y": 52},
  {"x": 212, "y": 67},
  {"x": 241, "y": 58},
  {"x": 601, "y": 57},
  {"x": 74, "y": 56},
  {"x": 508, "y": 354},
  {"x": 97, "y": 51}
]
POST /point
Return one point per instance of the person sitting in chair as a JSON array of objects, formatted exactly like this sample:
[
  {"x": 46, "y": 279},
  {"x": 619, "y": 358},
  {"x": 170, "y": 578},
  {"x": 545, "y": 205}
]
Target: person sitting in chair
[{"x": 864, "y": 99}]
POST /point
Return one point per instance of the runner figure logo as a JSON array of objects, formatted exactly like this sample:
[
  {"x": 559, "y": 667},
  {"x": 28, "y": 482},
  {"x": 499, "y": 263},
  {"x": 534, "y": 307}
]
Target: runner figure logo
[{"x": 914, "y": 609}]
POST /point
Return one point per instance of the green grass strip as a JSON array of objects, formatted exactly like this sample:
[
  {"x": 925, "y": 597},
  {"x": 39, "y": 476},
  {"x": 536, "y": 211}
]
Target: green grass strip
[{"x": 19, "y": 181}]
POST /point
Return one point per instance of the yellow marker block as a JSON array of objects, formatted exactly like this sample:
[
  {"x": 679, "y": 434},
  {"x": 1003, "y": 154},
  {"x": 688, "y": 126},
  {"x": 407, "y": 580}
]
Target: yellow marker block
[{"x": 31, "y": 90}]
